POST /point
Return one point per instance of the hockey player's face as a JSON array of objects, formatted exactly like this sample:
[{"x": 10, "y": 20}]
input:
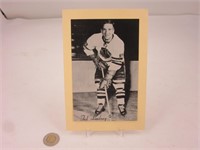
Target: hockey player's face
[{"x": 108, "y": 31}]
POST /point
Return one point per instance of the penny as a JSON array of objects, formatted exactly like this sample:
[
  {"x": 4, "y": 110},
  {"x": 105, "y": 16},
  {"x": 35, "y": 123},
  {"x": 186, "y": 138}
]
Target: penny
[{"x": 51, "y": 139}]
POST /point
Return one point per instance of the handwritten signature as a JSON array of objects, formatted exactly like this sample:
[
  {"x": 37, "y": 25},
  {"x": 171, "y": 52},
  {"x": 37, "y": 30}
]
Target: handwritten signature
[{"x": 86, "y": 118}]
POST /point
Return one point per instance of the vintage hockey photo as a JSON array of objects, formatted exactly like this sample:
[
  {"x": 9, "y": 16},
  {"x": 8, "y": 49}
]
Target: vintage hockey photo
[{"x": 105, "y": 68}]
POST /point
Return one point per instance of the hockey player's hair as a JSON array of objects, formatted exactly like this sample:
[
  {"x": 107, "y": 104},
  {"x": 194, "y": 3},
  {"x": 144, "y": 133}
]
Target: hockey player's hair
[{"x": 109, "y": 21}]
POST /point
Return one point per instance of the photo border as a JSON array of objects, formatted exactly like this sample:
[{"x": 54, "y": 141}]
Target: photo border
[{"x": 142, "y": 15}]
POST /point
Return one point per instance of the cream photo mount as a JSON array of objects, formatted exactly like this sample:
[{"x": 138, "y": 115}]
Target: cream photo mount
[{"x": 81, "y": 94}]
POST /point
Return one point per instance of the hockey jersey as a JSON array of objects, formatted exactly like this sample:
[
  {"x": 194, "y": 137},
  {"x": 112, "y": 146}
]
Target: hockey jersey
[{"x": 115, "y": 47}]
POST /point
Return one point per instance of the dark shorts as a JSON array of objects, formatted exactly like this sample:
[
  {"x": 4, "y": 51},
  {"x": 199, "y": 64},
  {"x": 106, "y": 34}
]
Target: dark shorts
[{"x": 120, "y": 74}]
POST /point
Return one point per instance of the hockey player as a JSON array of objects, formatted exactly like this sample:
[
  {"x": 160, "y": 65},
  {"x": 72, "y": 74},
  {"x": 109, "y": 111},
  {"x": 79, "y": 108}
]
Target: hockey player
[{"x": 106, "y": 50}]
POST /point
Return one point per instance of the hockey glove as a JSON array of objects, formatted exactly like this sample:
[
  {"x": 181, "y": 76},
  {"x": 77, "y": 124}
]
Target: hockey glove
[{"x": 107, "y": 80}]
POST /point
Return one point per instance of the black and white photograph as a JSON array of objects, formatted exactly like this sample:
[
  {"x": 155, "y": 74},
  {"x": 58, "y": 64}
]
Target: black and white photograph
[{"x": 105, "y": 56}]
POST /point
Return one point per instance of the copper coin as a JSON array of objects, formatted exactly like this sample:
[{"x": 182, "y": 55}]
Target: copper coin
[{"x": 51, "y": 139}]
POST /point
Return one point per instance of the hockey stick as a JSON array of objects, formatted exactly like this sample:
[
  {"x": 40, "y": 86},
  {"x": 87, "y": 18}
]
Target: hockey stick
[{"x": 106, "y": 92}]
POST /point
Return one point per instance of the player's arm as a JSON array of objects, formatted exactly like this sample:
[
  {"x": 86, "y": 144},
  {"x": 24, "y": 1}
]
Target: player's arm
[
  {"x": 88, "y": 48},
  {"x": 115, "y": 65}
]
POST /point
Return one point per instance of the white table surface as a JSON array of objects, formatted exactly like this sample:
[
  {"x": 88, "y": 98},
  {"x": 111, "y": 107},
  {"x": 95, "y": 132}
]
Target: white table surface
[{"x": 33, "y": 102}]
